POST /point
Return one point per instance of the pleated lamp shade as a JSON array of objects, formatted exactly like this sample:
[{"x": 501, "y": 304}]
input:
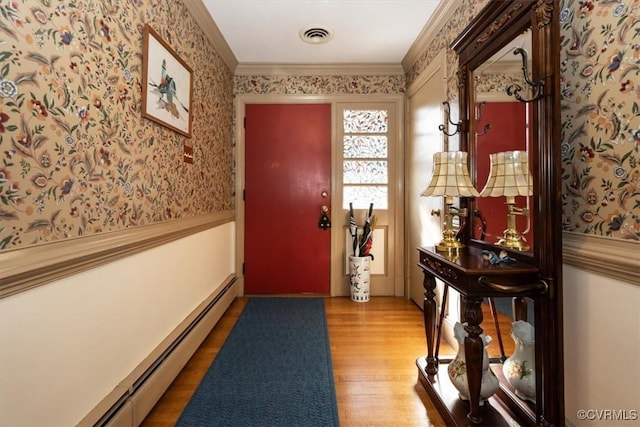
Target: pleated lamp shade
[
  {"x": 509, "y": 175},
  {"x": 450, "y": 176}
]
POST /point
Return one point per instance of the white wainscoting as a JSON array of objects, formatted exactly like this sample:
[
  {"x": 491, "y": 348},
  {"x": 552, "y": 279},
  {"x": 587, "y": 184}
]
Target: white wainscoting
[{"x": 68, "y": 345}]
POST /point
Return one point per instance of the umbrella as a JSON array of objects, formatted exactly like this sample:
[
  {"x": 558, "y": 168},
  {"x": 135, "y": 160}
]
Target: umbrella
[
  {"x": 353, "y": 229},
  {"x": 366, "y": 232},
  {"x": 369, "y": 242}
]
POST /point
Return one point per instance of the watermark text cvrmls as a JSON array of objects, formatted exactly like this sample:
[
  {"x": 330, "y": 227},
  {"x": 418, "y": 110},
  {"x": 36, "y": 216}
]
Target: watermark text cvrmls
[{"x": 607, "y": 414}]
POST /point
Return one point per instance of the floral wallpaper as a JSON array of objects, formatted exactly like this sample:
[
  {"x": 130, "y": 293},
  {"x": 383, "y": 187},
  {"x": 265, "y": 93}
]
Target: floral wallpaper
[
  {"x": 318, "y": 85},
  {"x": 497, "y": 83},
  {"x": 467, "y": 10},
  {"x": 600, "y": 58},
  {"x": 77, "y": 156}
]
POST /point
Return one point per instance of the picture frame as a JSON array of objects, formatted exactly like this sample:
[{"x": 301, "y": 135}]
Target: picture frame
[{"x": 167, "y": 85}]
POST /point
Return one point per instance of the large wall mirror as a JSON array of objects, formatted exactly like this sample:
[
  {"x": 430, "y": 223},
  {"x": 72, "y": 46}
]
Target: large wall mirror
[
  {"x": 510, "y": 108},
  {"x": 502, "y": 124}
]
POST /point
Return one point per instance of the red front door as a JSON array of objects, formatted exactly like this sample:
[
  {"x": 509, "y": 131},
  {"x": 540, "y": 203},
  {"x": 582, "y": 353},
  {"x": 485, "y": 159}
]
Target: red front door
[{"x": 287, "y": 168}]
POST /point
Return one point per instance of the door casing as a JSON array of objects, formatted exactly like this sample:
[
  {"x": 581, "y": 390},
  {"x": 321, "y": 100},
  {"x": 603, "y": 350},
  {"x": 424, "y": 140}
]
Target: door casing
[
  {"x": 337, "y": 289},
  {"x": 423, "y": 140},
  {"x": 423, "y": 229}
]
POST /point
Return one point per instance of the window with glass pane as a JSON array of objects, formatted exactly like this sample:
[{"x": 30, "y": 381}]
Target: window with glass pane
[{"x": 365, "y": 166}]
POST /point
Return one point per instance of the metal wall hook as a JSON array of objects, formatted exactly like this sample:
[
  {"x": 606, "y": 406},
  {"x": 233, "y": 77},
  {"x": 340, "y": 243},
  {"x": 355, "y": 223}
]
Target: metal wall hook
[
  {"x": 448, "y": 113},
  {"x": 486, "y": 127},
  {"x": 538, "y": 87}
]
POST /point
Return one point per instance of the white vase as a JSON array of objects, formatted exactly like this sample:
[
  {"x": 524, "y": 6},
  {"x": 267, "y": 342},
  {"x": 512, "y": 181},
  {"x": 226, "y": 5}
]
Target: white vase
[
  {"x": 457, "y": 369},
  {"x": 359, "y": 278},
  {"x": 519, "y": 369}
]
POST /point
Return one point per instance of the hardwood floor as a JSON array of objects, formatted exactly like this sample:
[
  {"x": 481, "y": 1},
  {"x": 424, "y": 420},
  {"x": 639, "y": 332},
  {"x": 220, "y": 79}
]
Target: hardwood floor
[{"x": 374, "y": 346}]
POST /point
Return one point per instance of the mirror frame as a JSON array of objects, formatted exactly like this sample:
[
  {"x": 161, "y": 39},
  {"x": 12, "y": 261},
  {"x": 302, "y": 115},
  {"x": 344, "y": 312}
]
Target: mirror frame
[{"x": 499, "y": 22}]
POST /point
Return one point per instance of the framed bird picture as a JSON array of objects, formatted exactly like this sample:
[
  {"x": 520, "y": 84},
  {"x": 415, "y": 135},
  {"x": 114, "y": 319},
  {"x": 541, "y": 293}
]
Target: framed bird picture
[{"x": 167, "y": 85}]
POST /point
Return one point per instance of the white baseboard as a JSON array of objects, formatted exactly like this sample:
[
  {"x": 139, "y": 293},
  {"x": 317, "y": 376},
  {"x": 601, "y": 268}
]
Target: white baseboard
[{"x": 132, "y": 400}]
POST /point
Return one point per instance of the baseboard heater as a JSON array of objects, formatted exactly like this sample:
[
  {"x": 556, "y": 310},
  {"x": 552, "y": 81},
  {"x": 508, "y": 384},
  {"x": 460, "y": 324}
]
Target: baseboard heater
[{"x": 133, "y": 399}]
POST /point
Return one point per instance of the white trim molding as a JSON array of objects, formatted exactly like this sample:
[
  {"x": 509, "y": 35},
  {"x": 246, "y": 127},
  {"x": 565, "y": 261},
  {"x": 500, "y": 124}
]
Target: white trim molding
[
  {"x": 36, "y": 265},
  {"x": 201, "y": 15},
  {"x": 619, "y": 259},
  {"x": 439, "y": 63},
  {"x": 443, "y": 14}
]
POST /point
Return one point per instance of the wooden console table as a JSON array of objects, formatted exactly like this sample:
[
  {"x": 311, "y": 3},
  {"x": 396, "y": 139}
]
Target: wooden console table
[{"x": 474, "y": 278}]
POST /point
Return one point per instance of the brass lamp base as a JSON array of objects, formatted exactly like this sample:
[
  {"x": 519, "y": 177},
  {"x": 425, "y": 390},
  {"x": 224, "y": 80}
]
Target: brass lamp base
[
  {"x": 513, "y": 240},
  {"x": 449, "y": 244}
]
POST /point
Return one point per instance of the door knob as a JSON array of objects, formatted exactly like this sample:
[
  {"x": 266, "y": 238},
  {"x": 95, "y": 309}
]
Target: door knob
[{"x": 324, "y": 222}]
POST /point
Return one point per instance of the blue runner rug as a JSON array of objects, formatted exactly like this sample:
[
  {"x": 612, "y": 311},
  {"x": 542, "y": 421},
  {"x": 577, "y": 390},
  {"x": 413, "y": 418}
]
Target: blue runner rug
[{"x": 274, "y": 369}]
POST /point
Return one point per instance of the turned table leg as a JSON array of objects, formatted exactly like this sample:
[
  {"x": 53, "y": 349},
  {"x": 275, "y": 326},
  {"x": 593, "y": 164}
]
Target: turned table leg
[
  {"x": 430, "y": 309},
  {"x": 474, "y": 350}
]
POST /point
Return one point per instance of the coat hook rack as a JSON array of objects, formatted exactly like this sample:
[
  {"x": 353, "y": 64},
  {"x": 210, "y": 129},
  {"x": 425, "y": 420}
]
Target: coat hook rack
[
  {"x": 486, "y": 127},
  {"x": 514, "y": 89},
  {"x": 448, "y": 113}
]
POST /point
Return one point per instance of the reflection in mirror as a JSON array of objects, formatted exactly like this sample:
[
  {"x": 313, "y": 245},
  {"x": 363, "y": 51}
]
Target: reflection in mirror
[
  {"x": 502, "y": 124},
  {"x": 513, "y": 345},
  {"x": 508, "y": 310},
  {"x": 487, "y": 126},
  {"x": 509, "y": 177}
]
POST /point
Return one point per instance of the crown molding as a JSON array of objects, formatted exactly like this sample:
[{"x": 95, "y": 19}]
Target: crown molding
[
  {"x": 443, "y": 13},
  {"x": 201, "y": 15},
  {"x": 356, "y": 69}
]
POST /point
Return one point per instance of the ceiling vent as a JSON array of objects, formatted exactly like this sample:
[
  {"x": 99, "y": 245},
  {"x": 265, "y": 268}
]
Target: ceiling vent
[{"x": 316, "y": 35}]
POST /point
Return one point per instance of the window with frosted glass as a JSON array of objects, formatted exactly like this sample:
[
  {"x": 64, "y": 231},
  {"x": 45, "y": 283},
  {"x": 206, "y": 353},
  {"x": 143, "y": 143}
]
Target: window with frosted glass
[
  {"x": 361, "y": 196},
  {"x": 365, "y": 121},
  {"x": 365, "y": 165},
  {"x": 365, "y": 172},
  {"x": 362, "y": 146}
]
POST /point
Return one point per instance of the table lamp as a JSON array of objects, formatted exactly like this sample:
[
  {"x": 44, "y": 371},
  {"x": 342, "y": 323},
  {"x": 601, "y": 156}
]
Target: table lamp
[
  {"x": 509, "y": 176},
  {"x": 450, "y": 179}
]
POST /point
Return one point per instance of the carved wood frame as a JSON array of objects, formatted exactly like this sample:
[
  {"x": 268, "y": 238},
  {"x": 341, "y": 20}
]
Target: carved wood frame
[{"x": 497, "y": 23}]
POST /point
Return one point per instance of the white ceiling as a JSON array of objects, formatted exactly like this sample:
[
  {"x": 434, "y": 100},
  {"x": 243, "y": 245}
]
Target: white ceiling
[{"x": 364, "y": 31}]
